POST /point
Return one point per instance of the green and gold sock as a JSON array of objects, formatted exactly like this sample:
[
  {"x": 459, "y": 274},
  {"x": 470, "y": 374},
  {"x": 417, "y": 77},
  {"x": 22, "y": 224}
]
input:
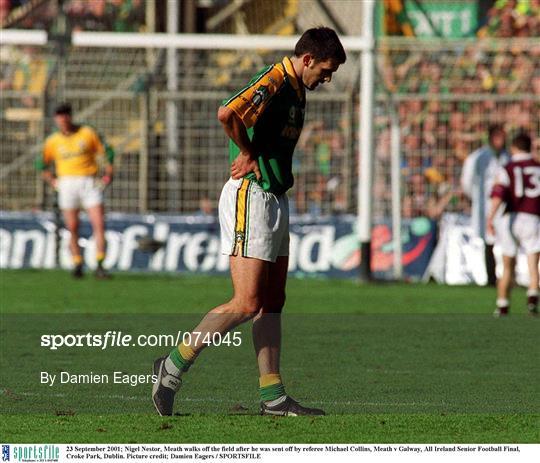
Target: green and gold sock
[
  {"x": 271, "y": 387},
  {"x": 182, "y": 357}
]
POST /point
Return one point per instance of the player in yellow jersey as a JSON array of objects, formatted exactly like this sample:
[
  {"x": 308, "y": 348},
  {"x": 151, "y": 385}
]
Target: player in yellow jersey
[{"x": 74, "y": 150}]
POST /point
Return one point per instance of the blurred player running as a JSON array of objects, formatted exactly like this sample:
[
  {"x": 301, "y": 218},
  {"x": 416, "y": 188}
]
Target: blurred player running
[
  {"x": 263, "y": 122},
  {"x": 73, "y": 150},
  {"x": 518, "y": 188}
]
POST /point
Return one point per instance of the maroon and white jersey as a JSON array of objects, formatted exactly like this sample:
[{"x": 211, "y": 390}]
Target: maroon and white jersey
[{"x": 518, "y": 185}]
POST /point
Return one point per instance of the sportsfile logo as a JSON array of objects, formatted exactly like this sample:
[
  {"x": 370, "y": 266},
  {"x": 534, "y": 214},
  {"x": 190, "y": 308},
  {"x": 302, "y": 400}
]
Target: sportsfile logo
[{"x": 31, "y": 453}]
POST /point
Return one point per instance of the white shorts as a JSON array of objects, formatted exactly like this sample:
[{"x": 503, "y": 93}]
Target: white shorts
[
  {"x": 254, "y": 223},
  {"x": 75, "y": 192},
  {"x": 517, "y": 230}
]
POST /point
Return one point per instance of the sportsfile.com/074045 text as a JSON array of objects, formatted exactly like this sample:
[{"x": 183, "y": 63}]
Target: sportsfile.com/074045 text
[{"x": 119, "y": 339}]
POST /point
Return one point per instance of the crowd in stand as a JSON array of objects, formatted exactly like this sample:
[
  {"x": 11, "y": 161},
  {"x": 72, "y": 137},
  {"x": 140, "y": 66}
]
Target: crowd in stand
[
  {"x": 106, "y": 15},
  {"x": 512, "y": 18},
  {"x": 452, "y": 95}
]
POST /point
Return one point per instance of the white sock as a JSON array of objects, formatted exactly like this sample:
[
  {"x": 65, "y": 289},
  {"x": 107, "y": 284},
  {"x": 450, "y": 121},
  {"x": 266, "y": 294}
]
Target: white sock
[
  {"x": 276, "y": 402},
  {"x": 172, "y": 369},
  {"x": 502, "y": 302},
  {"x": 532, "y": 292}
]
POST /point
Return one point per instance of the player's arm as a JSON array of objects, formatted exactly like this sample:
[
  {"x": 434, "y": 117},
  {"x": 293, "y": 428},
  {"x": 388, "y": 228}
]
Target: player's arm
[
  {"x": 243, "y": 110},
  {"x": 235, "y": 129},
  {"x": 494, "y": 205},
  {"x": 498, "y": 196},
  {"x": 101, "y": 147},
  {"x": 42, "y": 165},
  {"x": 49, "y": 178},
  {"x": 109, "y": 166}
]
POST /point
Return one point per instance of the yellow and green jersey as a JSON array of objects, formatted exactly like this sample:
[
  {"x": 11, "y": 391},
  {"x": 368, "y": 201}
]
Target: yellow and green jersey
[
  {"x": 73, "y": 154},
  {"x": 272, "y": 108}
]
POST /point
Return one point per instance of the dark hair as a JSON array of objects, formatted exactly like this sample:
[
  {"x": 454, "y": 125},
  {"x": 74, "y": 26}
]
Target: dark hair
[
  {"x": 63, "y": 108},
  {"x": 323, "y": 43},
  {"x": 522, "y": 142},
  {"x": 493, "y": 129}
]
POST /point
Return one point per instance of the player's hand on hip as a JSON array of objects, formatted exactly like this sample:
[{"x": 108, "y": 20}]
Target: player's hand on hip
[{"x": 244, "y": 165}]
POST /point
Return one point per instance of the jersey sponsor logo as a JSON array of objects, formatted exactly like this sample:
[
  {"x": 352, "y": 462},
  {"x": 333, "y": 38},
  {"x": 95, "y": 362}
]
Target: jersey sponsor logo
[
  {"x": 65, "y": 153},
  {"x": 260, "y": 95},
  {"x": 296, "y": 115},
  {"x": 294, "y": 123},
  {"x": 291, "y": 132}
]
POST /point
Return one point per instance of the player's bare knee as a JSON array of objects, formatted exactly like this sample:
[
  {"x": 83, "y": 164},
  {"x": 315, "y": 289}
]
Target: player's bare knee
[{"x": 251, "y": 306}]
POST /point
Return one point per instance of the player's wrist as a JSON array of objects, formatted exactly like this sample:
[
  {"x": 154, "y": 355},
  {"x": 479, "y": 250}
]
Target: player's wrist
[{"x": 247, "y": 155}]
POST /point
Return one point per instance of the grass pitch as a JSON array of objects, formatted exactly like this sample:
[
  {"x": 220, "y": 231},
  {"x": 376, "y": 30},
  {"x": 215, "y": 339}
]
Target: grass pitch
[{"x": 388, "y": 362}]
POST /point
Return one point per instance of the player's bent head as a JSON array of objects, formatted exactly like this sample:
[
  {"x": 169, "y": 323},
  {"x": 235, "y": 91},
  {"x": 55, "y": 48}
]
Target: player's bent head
[
  {"x": 322, "y": 43},
  {"x": 63, "y": 109},
  {"x": 522, "y": 142}
]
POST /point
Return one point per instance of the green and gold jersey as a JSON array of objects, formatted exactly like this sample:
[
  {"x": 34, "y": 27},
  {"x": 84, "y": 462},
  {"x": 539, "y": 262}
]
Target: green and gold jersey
[{"x": 272, "y": 108}]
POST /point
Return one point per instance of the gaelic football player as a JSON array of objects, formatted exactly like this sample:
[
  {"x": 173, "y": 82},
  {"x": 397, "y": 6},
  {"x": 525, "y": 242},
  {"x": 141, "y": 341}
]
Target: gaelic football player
[
  {"x": 518, "y": 188},
  {"x": 73, "y": 149},
  {"x": 263, "y": 122}
]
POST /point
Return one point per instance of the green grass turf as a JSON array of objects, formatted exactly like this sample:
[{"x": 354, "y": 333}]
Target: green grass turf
[
  {"x": 399, "y": 363},
  {"x": 36, "y": 291}
]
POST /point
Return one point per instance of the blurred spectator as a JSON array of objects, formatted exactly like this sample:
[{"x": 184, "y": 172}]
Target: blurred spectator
[
  {"x": 90, "y": 16},
  {"x": 23, "y": 69},
  {"x": 5, "y": 8},
  {"x": 442, "y": 193},
  {"x": 321, "y": 152},
  {"x": 206, "y": 208},
  {"x": 512, "y": 18},
  {"x": 128, "y": 15},
  {"x": 106, "y": 15}
]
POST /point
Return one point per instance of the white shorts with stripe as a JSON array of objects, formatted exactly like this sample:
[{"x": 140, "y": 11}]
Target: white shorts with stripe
[
  {"x": 75, "y": 192},
  {"x": 254, "y": 223},
  {"x": 517, "y": 230}
]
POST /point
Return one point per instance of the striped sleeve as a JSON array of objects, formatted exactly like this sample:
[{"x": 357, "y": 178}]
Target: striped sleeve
[{"x": 250, "y": 102}]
